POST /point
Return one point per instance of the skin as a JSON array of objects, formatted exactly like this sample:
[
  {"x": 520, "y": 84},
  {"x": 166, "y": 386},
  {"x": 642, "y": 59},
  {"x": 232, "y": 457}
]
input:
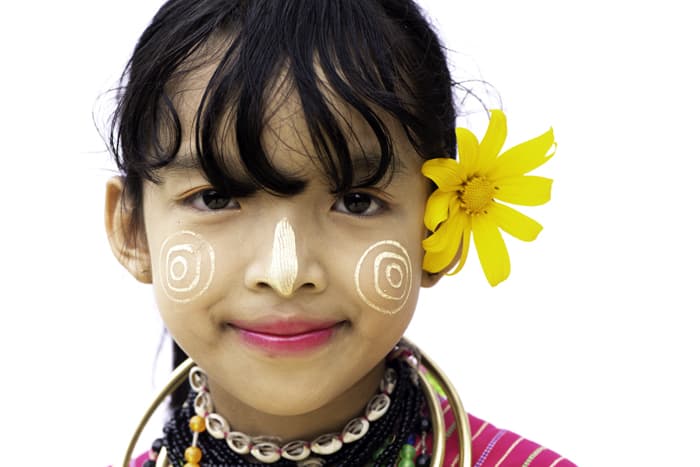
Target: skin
[{"x": 291, "y": 396}]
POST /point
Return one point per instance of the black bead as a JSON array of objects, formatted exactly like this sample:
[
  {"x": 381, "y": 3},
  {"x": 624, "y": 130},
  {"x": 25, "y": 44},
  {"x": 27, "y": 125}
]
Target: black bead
[
  {"x": 149, "y": 464},
  {"x": 157, "y": 445},
  {"x": 423, "y": 460},
  {"x": 424, "y": 425}
]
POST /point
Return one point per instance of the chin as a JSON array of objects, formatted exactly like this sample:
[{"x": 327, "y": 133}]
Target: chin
[{"x": 287, "y": 403}]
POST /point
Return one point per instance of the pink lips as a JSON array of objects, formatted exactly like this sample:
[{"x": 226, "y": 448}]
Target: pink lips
[{"x": 285, "y": 337}]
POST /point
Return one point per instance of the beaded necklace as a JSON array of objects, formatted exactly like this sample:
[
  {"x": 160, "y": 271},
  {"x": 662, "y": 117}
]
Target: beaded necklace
[{"x": 390, "y": 432}]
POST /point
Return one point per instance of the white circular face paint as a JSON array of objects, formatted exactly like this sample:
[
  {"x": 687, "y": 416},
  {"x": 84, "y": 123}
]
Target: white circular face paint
[
  {"x": 186, "y": 266},
  {"x": 383, "y": 276}
]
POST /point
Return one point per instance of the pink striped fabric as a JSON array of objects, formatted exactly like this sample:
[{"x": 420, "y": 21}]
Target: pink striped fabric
[{"x": 493, "y": 447}]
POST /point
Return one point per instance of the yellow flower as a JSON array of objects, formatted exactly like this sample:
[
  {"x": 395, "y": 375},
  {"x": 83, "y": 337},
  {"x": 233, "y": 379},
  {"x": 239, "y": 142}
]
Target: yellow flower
[{"x": 464, "y": 201}]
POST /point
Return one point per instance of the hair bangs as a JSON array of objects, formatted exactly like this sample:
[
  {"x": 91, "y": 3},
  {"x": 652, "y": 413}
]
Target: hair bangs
[
  {"x": 351, "y": 51},
  {"x": 380, "y": 58},
  {"x": 338, "y": 53}
]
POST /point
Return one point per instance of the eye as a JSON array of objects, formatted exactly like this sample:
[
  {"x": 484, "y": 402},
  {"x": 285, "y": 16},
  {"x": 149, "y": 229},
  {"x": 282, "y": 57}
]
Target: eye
[
  {"x": 212, "y": 200},
  {"x": 358, "y": 204}
]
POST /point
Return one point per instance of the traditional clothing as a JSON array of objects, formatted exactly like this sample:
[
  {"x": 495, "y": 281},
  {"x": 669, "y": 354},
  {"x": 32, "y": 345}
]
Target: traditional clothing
[{"x": 493, "y": 447}]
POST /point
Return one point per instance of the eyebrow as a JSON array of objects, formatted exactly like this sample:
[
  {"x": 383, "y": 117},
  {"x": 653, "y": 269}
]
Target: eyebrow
[
  {"x": 188, "y": 162},
  {"x": 183, "y": 163},
  {"x": 364, "y": 163}
]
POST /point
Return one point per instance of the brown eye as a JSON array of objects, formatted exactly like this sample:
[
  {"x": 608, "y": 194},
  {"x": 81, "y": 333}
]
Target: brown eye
[
  {"x": 212, "y": 200},
  {"x": 358, "y": 204}
]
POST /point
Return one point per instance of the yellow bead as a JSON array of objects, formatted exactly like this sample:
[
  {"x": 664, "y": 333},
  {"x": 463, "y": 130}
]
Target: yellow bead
[
  {"x": 190, "y": 464},
  {"x": 197, "y": 424},
  {"x": 193, "y": 454}
]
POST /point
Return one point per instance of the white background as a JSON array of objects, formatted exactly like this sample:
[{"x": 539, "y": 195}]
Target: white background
[{"x": 590, "y": 347}]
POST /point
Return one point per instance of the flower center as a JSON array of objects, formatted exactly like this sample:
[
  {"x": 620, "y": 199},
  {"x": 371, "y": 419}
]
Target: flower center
[{"x": 476, "y": 194}]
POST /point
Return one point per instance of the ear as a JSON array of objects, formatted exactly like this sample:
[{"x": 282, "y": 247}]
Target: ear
[{"x": 129, "y": 246}]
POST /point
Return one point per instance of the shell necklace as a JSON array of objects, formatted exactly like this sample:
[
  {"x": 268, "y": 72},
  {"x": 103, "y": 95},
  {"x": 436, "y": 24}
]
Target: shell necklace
[{"x": 269, "y": 449}]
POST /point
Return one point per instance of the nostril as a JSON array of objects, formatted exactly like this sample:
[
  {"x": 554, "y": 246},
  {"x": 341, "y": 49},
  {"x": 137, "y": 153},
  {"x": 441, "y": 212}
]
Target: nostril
[{"x": 261, "y": 285}]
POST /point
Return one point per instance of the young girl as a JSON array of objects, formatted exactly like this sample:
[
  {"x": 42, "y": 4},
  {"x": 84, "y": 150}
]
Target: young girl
[{"x": 273, "y": 192}]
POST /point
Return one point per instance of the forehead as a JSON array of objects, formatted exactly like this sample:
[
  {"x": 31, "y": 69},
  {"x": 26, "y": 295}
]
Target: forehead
[{"x": 285, "y": 136}]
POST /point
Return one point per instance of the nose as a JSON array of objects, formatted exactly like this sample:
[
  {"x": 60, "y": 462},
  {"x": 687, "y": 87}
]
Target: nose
[{"x": 284, "y": 268}]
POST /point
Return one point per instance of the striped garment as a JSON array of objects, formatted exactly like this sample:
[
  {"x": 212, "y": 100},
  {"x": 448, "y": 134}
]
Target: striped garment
[{"x": 493, "y": 447}]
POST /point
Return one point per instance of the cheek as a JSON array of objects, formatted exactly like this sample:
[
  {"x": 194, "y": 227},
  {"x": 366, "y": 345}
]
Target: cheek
[
  {"x": 186, "y": 265},
  {"x": 384, "y": 277}
]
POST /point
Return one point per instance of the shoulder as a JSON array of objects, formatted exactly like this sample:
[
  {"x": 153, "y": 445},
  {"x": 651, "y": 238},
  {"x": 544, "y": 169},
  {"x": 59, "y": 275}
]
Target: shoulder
[{"x": 493, "y": 446}]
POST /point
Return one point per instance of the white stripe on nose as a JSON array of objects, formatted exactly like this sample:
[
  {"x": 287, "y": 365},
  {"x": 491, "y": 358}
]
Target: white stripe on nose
[{"x": 284, "y": 265}]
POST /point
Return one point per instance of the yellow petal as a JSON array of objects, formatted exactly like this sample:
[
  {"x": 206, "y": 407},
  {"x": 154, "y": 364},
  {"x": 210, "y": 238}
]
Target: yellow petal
[
  {"x": 443, "y": 236},
  {"x": 441, "y": 247},
  {"x": 493, "y": 141},
  {"x": 526, "y": 190},
  {"x": 437, "y": 208},
  {"x": 446, "y": 173},
  {"x": 465, "y": 246},
  {"x": 491, "y": 248},
  {"x": 524, "y": 157},
  {"x": 468, "y": 148},
  {"x": 515, "y": 223}
]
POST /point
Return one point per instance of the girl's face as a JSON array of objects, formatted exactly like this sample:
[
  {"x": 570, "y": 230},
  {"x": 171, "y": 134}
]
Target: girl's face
[{"x": 286, "y": 302}]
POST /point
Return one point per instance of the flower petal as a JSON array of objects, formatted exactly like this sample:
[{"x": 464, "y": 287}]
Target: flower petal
[
  {"x": 465, "y": 246},
  {"x": 525, "y": 157},
  {"x": 493, "y": 140},
  {"x": 526, "y": 190},
  {"x": 468, "y": 148},
  {"x": 437, "y": 208},
  {"x": 515, "y": 223},
  {"x": 441, "y": 247},
  {"x": 444, "y": 235},
  {"x": 447, "y": 173},
  {"x": 491, "y": 248}
]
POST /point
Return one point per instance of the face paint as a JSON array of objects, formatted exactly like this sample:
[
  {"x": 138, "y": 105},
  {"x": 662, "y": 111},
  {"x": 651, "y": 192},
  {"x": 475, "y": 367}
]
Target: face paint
[
  {"x": 186, "y": 266},
  {"x": 284, "y": 266},
  {"x": 383, "y": 276}
]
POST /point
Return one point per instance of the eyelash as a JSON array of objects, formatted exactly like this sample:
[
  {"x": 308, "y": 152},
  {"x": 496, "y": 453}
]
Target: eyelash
[
  {"x": 375, "y": 205},
  {"x": 197, "y": 201}
]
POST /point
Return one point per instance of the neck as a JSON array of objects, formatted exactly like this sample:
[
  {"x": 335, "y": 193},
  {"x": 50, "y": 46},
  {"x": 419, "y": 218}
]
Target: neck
[{"x": 329, "y": 418}]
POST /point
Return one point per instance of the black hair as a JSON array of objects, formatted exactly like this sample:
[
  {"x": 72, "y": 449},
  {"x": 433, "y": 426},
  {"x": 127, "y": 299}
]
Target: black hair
[
  {"x": 381, "y": 57},
  {"x": 373, "y": 54}
]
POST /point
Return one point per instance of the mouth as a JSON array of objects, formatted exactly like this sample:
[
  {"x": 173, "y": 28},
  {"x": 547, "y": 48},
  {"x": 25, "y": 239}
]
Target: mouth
[{"x": 286, "y": 337}]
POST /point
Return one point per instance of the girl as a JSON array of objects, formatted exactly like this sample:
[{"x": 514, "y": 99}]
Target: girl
[{"x": 272, "y": 193}]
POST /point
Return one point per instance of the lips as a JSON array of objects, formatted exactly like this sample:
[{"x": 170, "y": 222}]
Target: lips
[{"x": 288, "y": 336}]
